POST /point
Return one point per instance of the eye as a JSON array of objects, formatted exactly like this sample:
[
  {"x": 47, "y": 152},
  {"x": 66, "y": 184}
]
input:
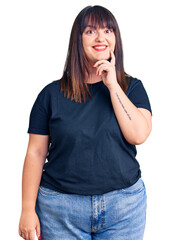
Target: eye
[
  {"x": 109, "y": 30},
  {"x": 89, "y": 31}
]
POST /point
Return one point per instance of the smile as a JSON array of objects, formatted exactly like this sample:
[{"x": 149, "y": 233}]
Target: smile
[{"x": 99, "y": 49}]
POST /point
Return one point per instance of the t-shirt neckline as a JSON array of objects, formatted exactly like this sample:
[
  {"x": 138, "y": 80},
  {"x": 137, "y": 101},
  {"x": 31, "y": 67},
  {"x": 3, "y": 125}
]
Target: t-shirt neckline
[
  {"x": 94, "y": 86},
  {"x": 96, "y": 83}
]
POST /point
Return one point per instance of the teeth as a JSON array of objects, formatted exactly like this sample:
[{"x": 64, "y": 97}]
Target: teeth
[{"x": 100, "y": 47}]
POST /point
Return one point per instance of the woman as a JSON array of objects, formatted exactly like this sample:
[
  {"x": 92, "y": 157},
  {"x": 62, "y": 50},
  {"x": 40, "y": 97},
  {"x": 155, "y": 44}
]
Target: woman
[{"x": 90, "y": 187}]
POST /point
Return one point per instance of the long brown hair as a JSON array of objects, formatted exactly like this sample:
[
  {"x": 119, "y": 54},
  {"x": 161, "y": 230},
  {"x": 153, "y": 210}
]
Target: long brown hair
[{"x": 76, "y": 65}]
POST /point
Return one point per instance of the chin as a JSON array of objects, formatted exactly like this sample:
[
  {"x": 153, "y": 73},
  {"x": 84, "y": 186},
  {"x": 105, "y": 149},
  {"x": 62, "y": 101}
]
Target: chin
[
  {"x": 103, "y": 58},
  {"x": 99, "y": 58}
]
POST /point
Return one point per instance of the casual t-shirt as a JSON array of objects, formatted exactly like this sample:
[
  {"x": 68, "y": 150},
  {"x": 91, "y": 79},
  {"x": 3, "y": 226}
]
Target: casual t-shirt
[{"x": 88, "y": 153}]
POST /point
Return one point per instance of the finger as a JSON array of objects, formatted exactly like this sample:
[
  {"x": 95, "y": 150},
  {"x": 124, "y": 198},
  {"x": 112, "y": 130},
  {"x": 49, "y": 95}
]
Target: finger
[
  {"x": 19, "y": 232},
  {"x": 32, "y": 235},
  {"x": 38, "y": 231},
  {"x": 26, "y": 236},
  {"x": 102, "y": 68},
  {"x": 112, "y": 58},
  {"x": 99, "y": 63},
  {"x": 22, "y": 234}
]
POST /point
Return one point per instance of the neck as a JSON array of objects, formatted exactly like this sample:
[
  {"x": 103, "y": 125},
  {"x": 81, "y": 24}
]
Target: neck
[{"x": 92, "y": 78}]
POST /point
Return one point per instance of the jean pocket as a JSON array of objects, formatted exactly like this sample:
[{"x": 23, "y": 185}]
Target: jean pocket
[
  {"x": 48, "y": 191},
  {"x": 136, "y": 187}
]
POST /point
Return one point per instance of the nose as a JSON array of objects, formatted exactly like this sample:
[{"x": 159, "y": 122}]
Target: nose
[{"x": 100, "y": 36}]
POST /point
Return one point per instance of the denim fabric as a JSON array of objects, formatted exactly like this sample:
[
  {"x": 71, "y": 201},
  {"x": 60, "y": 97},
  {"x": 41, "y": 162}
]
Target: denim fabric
[{"x": 116, "y": 215}]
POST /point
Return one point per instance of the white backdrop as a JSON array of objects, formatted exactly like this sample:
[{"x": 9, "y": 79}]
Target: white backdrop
[{"x": 33, "y": 46}]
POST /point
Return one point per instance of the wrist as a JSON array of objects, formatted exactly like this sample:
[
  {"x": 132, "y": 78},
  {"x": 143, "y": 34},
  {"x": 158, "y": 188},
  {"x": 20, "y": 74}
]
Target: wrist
[
  {"x": 113, "y": 86},
  {"x": 27, "y": 207}
]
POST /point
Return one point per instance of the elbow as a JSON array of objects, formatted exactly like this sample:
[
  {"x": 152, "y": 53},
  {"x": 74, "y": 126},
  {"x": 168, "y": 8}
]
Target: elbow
[
  {"x": 139, "y": 137},
  {"x": 140, "y": 141},
  {"x": 143, "y": 137}
]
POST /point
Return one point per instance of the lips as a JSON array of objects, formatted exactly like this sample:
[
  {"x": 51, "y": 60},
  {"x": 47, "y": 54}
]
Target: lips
[{"x": 101, "y": 47}]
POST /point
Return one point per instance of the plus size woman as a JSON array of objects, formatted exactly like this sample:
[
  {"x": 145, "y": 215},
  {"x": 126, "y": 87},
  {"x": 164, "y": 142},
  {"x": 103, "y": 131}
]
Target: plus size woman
[{"x": 81, "y": 178}]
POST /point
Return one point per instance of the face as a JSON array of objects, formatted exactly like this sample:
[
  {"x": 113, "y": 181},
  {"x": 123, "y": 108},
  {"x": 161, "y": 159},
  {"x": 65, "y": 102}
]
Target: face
[{"x": 97, "y": 42}]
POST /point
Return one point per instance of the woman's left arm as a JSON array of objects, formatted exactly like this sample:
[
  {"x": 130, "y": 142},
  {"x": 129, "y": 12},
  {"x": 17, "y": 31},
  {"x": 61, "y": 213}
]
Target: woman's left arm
[{"x": 135, "y": 123}]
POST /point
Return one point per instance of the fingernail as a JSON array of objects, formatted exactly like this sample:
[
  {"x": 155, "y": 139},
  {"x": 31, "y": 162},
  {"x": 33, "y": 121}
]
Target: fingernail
[{"x": 39, "y": 237}]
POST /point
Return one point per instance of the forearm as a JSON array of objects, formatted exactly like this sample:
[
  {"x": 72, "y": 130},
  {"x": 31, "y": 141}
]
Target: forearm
[
  {"x": 32, "y": 172},
  {"x": 133, "y": 124}
]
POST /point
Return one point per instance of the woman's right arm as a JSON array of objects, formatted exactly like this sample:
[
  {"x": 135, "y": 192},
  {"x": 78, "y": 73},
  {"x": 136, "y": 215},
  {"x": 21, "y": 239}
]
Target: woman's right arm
[{"x": 32, "y": 171}]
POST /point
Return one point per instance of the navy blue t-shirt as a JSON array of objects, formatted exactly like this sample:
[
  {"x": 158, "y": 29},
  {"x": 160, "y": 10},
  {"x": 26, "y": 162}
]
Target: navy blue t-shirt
[{"x": 88, "y": 153}]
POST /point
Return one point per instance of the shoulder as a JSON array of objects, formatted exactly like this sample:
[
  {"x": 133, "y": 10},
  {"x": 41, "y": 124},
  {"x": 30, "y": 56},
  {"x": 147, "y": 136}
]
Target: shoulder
[
  {"x": 50, "y": 88},
  {"x": 133, "y": 83},
  {"x": 134, "y": 80}
]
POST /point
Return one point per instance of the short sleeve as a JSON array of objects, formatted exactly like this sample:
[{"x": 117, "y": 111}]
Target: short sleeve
[
  {"x": 138, "y": 96},
  {"x": 39, "y": 115}
]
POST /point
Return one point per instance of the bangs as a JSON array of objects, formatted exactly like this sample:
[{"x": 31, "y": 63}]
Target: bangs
[{"x": 98, "y": 18}]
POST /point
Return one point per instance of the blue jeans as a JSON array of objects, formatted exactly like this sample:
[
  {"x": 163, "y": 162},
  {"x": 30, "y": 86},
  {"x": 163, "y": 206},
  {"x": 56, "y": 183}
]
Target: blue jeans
[{"x": 116, "y": 215}]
